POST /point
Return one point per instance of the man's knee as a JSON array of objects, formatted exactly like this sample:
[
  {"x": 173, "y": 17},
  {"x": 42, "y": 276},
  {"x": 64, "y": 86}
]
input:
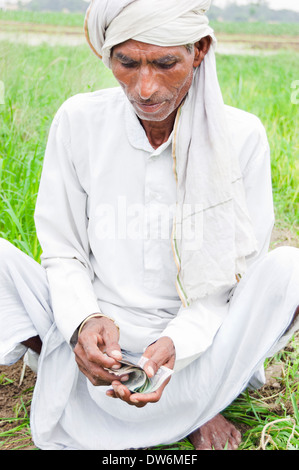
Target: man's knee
[
  {"x": 282, "y": 269},
  {"x": 284, "y": 258},
  {"x": 275, "y": 272}
]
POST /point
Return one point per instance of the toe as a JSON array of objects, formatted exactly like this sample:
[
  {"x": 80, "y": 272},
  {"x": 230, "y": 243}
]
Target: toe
[
  {"x": 237, "y": 437},
  {"x": 235, "y": 440}
]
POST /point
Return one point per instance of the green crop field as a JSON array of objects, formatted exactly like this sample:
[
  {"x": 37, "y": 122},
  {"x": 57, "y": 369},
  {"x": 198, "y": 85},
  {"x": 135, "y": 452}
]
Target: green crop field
[
  {"x": 76, "y": 19},
  {"x": 36, "y": 80},
  {"x": 54, "y": 18}
]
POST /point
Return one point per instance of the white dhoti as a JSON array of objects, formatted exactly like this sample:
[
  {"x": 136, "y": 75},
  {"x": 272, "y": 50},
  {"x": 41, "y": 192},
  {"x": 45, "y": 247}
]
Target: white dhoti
[{"x": 70, "y": 413}]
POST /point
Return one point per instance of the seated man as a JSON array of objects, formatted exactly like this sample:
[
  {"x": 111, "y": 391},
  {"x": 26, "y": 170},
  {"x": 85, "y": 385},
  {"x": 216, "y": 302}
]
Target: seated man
[{"x": 154, "y": 215}]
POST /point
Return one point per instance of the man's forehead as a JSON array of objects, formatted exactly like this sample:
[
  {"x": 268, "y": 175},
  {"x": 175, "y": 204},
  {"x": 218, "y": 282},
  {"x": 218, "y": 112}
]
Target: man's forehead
[{"x": 137, "y": 47}]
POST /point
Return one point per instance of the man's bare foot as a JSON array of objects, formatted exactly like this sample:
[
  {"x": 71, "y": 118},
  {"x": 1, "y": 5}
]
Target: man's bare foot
[{"x": 218, "y": 434}]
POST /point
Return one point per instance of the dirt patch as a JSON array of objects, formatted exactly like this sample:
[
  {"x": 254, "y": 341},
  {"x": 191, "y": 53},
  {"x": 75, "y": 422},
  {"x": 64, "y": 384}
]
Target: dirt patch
[
  {"x": 283, "y": 236},
  {"x": 260, "y": 42},
  {"x": 11, "y": 390},
  {"x": 15, "y": 399}
]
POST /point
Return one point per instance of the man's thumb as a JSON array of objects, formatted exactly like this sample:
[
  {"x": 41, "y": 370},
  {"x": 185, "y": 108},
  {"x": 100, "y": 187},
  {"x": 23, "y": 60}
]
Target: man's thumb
[{"x": 114, "y": 351}]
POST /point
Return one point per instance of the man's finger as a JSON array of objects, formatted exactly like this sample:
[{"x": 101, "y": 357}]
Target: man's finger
[
  {"x": 97, "y": 378},
  {"x": 92, "y": 352},
  {"x": 157, "y": 355},
  {"x": 95, "y": 373},
  {"x": 142, "y": 399},
  {"x": 100, "y": 335},
  {"x": 122, "y": 392},
  {"x": 113, "y": 350}
]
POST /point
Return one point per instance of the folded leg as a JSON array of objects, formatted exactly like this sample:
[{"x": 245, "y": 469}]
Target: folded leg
[{"x": 25, "y": 310}]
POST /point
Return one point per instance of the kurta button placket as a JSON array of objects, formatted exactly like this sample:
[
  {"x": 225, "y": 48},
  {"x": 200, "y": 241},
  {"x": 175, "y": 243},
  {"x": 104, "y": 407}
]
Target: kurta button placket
[{"x": 158, "y": 195}]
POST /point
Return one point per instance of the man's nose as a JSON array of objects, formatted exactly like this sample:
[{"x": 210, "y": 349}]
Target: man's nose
[{"x": 147, "y": 83}]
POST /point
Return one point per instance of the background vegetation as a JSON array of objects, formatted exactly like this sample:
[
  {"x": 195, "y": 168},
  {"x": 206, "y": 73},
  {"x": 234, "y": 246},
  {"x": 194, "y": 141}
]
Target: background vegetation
[
  {"x": 256, "y": 10},
  {"x": 38, "y": 79}
]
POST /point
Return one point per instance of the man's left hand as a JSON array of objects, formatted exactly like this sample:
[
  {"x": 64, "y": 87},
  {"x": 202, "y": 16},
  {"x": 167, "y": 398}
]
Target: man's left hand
[{"x": 160, "y": 353}]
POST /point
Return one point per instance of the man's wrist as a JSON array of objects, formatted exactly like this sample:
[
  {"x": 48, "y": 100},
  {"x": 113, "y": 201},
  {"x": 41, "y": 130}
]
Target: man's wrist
[{"x": 95, "y": 315}]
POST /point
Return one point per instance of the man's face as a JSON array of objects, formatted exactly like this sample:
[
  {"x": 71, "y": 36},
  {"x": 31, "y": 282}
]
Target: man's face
[{"x": 155, "y": 79}]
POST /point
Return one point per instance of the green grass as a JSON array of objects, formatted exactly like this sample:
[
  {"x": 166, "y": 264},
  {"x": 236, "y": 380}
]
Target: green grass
[
  {"x": 39, "y": 79},
  {"x": 262, "y": 85},
  {"x": 52, "y": 18},
  {"x": 15, "y": 433},
  {"x": 271, "y": 417}
]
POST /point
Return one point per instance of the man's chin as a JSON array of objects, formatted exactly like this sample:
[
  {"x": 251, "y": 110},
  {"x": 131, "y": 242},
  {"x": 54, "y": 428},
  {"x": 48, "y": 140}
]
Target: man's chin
[{"x": 154, "y": 117}]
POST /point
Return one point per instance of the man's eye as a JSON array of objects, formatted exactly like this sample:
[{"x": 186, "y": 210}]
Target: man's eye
[
  {"x": 128, "y": 65},
  {"x": 166, "y": 66}
]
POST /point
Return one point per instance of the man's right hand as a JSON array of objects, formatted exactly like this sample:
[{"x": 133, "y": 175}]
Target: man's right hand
[{"x": 97, "y": 348}]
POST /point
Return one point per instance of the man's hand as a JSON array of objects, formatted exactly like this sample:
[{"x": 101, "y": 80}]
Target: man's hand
[
  {"x": 97, "y": 348},
  {"x": 160, "y": 353}
]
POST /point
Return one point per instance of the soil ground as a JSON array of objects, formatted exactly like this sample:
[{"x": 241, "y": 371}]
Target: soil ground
[{"x": 15, "y": 401}]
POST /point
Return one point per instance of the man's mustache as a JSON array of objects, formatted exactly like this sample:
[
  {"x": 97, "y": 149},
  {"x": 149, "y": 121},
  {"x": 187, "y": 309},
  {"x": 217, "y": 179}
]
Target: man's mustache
[{"x": 151, "y": 101}]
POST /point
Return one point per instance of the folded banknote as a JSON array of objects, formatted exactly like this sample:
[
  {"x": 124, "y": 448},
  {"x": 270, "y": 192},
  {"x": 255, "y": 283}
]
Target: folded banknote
[{"x": 138, "y": 381}]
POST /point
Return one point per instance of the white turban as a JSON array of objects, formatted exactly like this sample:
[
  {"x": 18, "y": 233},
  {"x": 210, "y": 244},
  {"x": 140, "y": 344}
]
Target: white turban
[
  {"x": 206, "y": 168},
  {"x": 159, "y": 22}
]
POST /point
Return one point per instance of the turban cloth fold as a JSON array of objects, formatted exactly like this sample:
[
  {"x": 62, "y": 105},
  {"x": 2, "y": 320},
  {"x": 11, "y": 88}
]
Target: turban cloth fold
[
  {"x": 211, "y": 205},
  {"x": 159, "y": 22}
]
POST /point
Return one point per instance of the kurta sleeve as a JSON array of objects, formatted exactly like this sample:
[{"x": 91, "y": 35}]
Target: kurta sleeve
[
  {"x": 195, "y": 327},
  {"x": 61, "y": 224}
]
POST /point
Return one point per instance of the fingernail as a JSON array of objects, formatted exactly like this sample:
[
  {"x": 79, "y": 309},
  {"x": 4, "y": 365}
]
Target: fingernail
[
  {"x": 116, "y": 366},
  {"x": 124, "y": 378},
  {"x": 142, "y": 361},
  {"x": 150, "y": 371},
  {"x": 116, "y": 354},
  {"x": 134, "y": 400},
  {"x": 119, "y": 390}
]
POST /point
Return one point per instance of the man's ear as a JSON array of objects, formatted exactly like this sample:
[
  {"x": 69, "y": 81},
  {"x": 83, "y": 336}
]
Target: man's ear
[{"x": 201, "y": 48}]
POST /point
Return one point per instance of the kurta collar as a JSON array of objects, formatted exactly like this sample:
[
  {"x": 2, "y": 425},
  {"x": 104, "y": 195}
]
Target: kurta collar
[{"x": 137, "y": 136}]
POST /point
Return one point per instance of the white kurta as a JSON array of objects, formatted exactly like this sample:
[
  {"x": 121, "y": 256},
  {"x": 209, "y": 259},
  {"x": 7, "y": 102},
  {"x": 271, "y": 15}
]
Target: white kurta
[
  {"x": 99, "y": 159},
  {"x": 101, "y": 177}
]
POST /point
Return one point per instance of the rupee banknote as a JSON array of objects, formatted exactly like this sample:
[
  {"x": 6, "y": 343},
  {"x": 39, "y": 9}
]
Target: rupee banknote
[{"x": 138, "y": 381}]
